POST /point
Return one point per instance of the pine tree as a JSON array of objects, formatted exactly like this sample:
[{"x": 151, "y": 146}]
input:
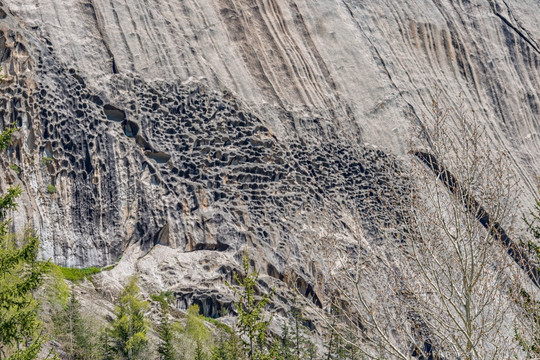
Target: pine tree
[
  {"x": 165, "y": 330},
  {"x": 311, "y": 351},
  {"x": 199, "y": 352},
  {"x": 304, "y": 347},
  {"x": 129, "y": 329},
  {"x": 252, "y": 325},
  {"x": 197, "y": 332},
  {"x": 219, "y": 352},
  {"x": 21, "y": 332},
  {"x": 335, "y": 349},
  {"x": 286, "y": 346},
  {"x": 106, "y": 345},
  {"x": 350, "y": 350},
  {"x": 229, "y": 348},
  {"x": 68, "y": 324},
  {"x": 234, "y": 348},
  {"x": 74, "y": 331}
]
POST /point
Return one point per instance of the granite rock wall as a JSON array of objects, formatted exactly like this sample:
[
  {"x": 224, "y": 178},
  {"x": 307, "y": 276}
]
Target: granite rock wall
[{"x": 178, "y": 133}]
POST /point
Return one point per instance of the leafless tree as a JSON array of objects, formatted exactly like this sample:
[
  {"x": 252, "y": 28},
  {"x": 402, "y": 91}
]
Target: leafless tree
[{"x": 442, "y": 284}]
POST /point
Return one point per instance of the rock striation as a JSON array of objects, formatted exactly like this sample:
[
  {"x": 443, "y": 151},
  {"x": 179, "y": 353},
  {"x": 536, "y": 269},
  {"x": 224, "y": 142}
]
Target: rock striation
[{"x": 176, "y": 133}]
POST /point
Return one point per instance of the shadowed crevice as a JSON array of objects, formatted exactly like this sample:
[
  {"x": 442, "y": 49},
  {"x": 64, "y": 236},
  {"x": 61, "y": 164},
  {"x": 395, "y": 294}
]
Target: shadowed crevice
[
  {"x": 474, "y": 208},
  {"x": 518, "y": 32}
]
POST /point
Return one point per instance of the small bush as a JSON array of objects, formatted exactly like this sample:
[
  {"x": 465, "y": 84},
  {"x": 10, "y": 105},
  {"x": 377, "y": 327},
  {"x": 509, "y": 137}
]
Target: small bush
[
  {"x": 51, "y": 189},
  {"x": 46, "y": 160},
  {"x": 15, "y": 168},
  {"x": 74, "y": 274}
]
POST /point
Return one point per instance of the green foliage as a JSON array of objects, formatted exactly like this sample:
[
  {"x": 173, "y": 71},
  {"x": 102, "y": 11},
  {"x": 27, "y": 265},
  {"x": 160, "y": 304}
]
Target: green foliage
[
  {"x": 15, "y": 168},
  {"x": 76, "y": 275},
  {"x": 339, "y": 345},
  {"x": 165, "y": 297},
  {"x": 229, "y": 347},
  {"x": 294, "y": 342},
  {"x": 8, "y": 203},
  {"x": 110, "y": 267},
  {"x": 304, "y": 347},
  {"x": 46, "y": 160},
  {"x": 51, "y": 189},
  {"x": 6, "y": 135},
  {"x": 199, "y": 352},
  {"x": 195, "y": 327},
  {"x": 252, "y": 325},
  {"x": 165, "y": 330},
  {"x": 21, "y": 332},
  {"x": 335, "y": 349},
  {"x": 128, "y": 333},
  {"x": 197, "y": 332},
  {"x": 55, "y": 288},
  {"x": 286, "y": 344},
  {"x": 75, "y": 332},
  {"x": 106, "y": 345},
  {"x": 218, "y": 324},
  {"x": 311, "y": 351}
]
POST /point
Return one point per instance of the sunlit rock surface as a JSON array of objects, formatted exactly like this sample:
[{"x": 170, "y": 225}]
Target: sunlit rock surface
[{"x": 185, "y": 131}]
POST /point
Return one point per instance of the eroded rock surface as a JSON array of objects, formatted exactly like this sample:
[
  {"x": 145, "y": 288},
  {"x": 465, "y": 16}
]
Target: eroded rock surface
[{"x": 181, "y": 132}]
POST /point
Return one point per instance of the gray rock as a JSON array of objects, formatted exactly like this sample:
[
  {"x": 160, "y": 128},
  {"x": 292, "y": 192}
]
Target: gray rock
[{"x": 178, "y": 133}]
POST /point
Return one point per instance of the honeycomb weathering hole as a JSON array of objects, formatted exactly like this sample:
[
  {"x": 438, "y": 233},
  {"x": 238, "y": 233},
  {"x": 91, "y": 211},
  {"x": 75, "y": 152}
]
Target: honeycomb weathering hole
[
  {"x": 113, "y": 113},
  {"x": 131, "y": 129},
  {"x": 159, "y": 157}
]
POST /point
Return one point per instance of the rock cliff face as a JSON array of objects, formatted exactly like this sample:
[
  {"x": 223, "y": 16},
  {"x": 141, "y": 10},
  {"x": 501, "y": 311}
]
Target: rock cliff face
[{"x": 178, "y": 132}]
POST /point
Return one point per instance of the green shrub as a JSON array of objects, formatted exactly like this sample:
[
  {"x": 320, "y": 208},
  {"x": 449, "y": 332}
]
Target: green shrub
[
  {"x": 51, "y": 189},
  {"x": 15, "y": 168},
  {"x": 46, "y": 160},
  {"x": 74, "y": 274}
]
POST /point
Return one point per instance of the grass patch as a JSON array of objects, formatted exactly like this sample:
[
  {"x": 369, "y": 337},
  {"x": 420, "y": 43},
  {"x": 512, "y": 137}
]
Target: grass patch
[
  {"x": 74, "y": 274},
  {"x": 110, "y": 267},
  {"x": 218, "y": 324},
  {"x": 51, "y": 189}
]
